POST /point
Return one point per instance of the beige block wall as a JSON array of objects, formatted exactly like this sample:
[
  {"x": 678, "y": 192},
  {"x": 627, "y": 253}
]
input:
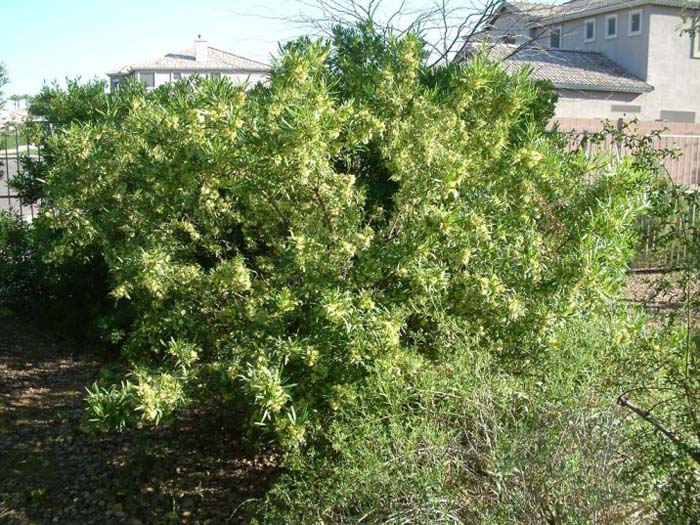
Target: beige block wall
[
  {"x": 594, "y": 124},
  {"x": 682, "y": 137},
  {"x": 596, "y": 104}
]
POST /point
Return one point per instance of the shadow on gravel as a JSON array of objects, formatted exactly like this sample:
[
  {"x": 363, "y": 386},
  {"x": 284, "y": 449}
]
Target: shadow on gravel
[{"x": 51, "y": 471}]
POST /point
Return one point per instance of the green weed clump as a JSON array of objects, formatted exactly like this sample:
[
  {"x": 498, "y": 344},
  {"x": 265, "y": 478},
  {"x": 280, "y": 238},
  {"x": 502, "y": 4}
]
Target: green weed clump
[
  {"x": 394, "y": 271},
  {"x": 470, "y": 442}
]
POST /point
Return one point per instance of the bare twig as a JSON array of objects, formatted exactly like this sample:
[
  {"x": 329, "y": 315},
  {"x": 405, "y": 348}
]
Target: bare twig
[{"x": 694, "y": 453}]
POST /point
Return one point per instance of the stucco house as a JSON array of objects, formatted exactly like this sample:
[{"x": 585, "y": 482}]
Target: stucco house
[
  {"x": 606, "y": 58},
  {"x": 202, "y": 60}
]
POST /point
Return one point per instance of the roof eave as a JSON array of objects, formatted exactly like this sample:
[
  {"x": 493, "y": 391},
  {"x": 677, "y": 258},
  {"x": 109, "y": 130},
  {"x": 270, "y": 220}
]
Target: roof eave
[
  {"x": 597, "y": 87},
  {"x": 160, "y": 69},
  {"x": 554, "y": 19}
]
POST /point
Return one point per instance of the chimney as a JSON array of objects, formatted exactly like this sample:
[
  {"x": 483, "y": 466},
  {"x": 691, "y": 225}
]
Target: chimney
[{"x": 201, "y": 49}]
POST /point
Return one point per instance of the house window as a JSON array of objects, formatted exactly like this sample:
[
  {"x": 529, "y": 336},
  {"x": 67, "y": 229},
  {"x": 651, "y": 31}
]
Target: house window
[
  {"x": 177, "y": 76},
  {"x": 115, "y": 85},
  {"x": 148, "y": 79},
  {"x": 678, "y": 116},
  {"x": 214, "y": 75},
  {"x": 590, "y": 31},
  {"x": 635, "y": 22},
  {"x": 555, "y": 38},
  {"x": 611, "y": 26},
  {"x": 625, "y": 108}
]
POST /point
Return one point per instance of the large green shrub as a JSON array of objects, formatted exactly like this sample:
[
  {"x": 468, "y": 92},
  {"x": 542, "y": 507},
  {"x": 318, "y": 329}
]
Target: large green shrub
[{"x": 272, "y": 245}]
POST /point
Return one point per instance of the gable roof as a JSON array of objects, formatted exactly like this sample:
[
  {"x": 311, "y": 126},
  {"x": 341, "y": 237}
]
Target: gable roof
[
  {"x": 217, "y": 60},
  {"x": 569, "y": 69}
]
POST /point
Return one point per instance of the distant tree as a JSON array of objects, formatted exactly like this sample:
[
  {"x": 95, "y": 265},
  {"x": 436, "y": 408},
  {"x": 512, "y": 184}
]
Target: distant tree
[{"x": 3, "y": 81}]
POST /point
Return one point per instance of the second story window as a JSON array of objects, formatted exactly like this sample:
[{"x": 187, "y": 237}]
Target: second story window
[
  {"x": 611, "y": 26},
  {"x": 589, "y": 31},
  {"x": 555, "y": 38},
  {"x": 635, "y": 22}
]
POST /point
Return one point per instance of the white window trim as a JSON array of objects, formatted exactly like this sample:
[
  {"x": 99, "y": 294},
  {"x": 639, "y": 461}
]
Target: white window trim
[
  {"x": 641, "y": 22},
  {"x": 585, "y": 30},
  {"x": 617, "y": 23},
  {"x": 561, "y": 36}
]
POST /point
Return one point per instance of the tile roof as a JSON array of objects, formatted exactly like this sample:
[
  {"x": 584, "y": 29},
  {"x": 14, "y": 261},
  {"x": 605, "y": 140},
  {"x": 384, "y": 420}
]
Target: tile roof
[
  {"x": 574, "y": 8},
  {"x": 570, "y": 69},
  {"x": 532, "y": 10},
  {"x": 217, "y": 60}
]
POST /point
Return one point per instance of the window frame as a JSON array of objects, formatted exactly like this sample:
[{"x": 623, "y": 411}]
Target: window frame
[
  {"x": 551, "y": 32},
  {"x": 585, "y": 31},
  {"x": 153, "y": 75},
  {"x": 638, "y": 32},
  {"x": 609, "y": 36}
]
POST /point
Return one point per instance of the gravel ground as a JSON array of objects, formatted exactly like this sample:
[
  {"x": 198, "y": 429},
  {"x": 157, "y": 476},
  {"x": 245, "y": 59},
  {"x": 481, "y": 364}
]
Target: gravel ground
[
  {"x": 657, "y": 291},
  {"x": 53, "y": 471}
]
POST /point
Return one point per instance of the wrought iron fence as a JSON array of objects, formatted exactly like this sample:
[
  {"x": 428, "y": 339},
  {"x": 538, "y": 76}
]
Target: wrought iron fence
[{"x": 14, "y": 149}]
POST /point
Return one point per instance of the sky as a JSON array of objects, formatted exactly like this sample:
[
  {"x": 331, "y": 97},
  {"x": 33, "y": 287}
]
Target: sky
[
  {"x": 42, "y": 41},
  {"x": 46, "y": 40}
]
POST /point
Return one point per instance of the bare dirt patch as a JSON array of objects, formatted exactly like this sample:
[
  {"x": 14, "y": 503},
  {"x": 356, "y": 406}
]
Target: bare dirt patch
[{"x": 54, "y": 471}]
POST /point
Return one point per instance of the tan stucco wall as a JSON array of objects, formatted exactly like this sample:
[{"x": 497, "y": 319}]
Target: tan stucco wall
[
  {"x": 164, "y": 77},
  {"x": 594, "y": 104},
  {"x": 672, "y": 70},
  {"x": 630, "y": 51},
  {"x": 659, "y": 55}
]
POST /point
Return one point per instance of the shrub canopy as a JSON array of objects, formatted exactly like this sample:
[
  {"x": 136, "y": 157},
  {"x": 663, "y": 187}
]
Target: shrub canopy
[{"x": 268, "y": 246}]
